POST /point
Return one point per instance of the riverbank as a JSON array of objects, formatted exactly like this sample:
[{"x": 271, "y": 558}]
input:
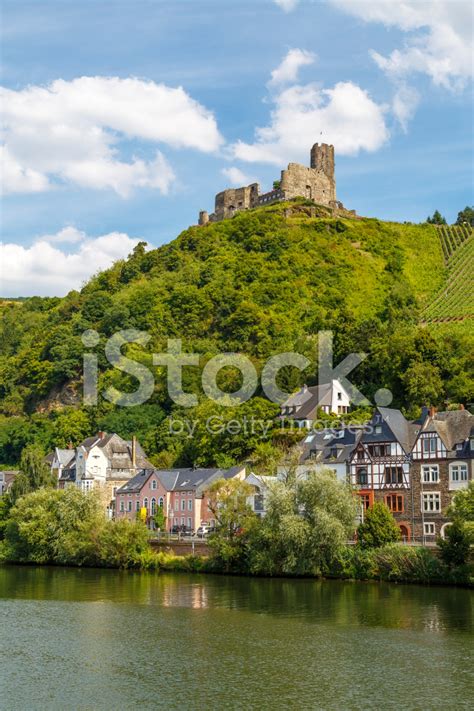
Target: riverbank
[{"x": 394, "y": 563}]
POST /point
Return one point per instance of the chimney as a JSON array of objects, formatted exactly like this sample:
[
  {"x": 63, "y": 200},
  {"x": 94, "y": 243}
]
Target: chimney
[
  {"x": 461, "y": 406},
  {"x": 70, "y": 446},
  {"x": 101, "y": 435},
  {"x": 432, "y": 411},
  {"x": 134, "y": 452}
]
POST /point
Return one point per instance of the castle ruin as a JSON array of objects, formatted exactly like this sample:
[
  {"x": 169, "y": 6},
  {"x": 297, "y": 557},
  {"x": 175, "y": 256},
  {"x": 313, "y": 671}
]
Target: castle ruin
[{"x": 316, "y": 183}]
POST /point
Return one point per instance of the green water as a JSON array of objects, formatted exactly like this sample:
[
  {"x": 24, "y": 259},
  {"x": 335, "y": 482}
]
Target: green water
[{"x": 95, "y": 639}]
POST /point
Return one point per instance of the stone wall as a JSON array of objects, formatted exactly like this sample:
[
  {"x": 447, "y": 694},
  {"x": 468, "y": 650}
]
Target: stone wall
[{"x": 300, "y": 181}]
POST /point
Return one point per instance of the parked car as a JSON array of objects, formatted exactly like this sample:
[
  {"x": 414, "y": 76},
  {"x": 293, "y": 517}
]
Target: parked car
[
  {"x": 182, "y": 530},
  {"x": 204, "y": 530}
]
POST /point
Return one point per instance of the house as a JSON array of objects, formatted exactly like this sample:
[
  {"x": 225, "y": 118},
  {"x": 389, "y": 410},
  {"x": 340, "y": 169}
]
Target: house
[
  {"x": 330, "y": 448},
  {"x": 6, "y": 479},
  {"x": 380, "y": 466},
  {"x": 442, "y": 464},
  {"x": 302, "y": 407},
  {"x": 181, "y": 493},
  {"x": 60, "y": 461},
  {"x": 103, "y": 461},
  {"x": 261, "y": 487}
]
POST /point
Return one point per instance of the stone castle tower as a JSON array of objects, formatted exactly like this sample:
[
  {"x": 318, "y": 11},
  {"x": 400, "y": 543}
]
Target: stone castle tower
[{"x": 316, "y": 183}]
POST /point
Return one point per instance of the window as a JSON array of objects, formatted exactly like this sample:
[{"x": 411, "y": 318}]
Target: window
[
  {"x": 129, "y": 507},
  {"x": 431, "y": 502},
  {"x": 153, "y": 484},
  {"x": 176, "y": 505},
  {"x": 362, "y": 476},
  {"x": 182, "y": 520},
  {"x": 153, "y": 506},
  {"x": 339, "y": 396},
  {"x": 366, "y": 501},
  {"x": 379, "y": 450},
  {"x": 394, "y": 475},
  {"x": 394, "y": 503},
  {"x": 145, "y": 504},
  {"x": 122, "y": 505},
  {"x": 378, "y": 429},
  {"x": 190, "y": 504},
  {"x": 458, "y": 473},
  {"x": 189, "y": 523},
  {"x": 183, "y": 504},
  {"x": 161, "y": 502},
  {"x": 430, "y": 473},
  {"x": 429, "y": 529},
  {"x": 137, "y": 506},
  {"x": 429, "y": 445}
]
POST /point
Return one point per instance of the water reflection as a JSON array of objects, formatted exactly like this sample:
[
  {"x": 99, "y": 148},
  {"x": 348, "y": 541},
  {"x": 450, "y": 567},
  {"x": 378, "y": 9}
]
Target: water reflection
[{"x": 351, "y": 604}]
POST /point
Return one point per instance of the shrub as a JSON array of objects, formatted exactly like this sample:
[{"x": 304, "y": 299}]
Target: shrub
[
  {"x": 455, "y": 548},
  {"x": 379, "y": 527}
]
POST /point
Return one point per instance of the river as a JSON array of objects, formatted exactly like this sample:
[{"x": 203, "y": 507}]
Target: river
[{"x": 106, "y": 639}]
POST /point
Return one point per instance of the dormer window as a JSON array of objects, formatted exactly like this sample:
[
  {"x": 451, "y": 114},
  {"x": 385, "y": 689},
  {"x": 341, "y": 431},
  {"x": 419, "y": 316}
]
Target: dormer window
[
  {"x": 378, "y": 429},
  {"x": 339, "y": 396},
  {"x": 429, "y": 445}
]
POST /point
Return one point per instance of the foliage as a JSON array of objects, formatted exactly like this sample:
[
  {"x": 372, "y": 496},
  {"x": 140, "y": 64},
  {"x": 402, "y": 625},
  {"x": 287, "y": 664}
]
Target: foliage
[
  {"x": 436, "y": 219},
  {"x": 34, "y": 473},
  {"x": 258, "y": 284},
  {"x": 306, "y": 523},
  {"x": 160, "y": 519},
  {"x": 466, "y": 215},
  {"x": 68, "y": 527},
  {"x": 455, "y": 547},
  {"x": 378, "y": 528},
  {"x": 462, "y": 509},
  {"x": 235, "y": 522}
]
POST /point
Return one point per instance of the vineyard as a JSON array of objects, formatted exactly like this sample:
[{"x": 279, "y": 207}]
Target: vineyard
[{"x": 455, "y": 301}]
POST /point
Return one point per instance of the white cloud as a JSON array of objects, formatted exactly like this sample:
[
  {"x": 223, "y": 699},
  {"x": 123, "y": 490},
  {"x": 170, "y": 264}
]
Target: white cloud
[
  {"x": 404, "y": 104},
  {"x": 45, "y": 270},
  {"x": 237, "y": 177},
  {"x": 288, "y": 70},
  {"x": 287, "y": 5},
  {"x": 441, "y": 40},
  {"x": 344, "y": 115},
  {"x": 78, "y": 130}
]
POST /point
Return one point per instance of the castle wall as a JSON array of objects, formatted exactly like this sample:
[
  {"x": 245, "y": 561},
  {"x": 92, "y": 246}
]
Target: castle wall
[
  {"x": 300, "y": 181},
  {"x": 233, "y": 200}
]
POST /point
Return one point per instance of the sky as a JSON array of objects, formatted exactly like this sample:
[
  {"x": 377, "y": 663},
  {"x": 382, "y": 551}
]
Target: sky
[{"x": 122, "y": 119}]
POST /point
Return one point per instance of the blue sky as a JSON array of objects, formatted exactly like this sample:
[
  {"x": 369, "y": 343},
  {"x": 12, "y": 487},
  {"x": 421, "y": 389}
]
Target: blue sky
[{"x": 93, "y": 165}]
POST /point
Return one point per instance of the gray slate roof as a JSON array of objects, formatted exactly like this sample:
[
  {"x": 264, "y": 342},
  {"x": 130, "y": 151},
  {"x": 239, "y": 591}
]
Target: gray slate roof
[{"x": 185, "y": 479}]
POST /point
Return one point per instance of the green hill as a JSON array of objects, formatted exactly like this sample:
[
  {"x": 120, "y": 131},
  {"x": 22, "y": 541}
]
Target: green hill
[
  {"x": 455, "y": 300},
  {"x": 260, "y": 284}
]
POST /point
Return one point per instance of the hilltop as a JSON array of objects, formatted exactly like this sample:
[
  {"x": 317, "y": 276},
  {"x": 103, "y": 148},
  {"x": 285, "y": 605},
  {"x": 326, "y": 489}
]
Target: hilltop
[{"x": 263, "y": 282}]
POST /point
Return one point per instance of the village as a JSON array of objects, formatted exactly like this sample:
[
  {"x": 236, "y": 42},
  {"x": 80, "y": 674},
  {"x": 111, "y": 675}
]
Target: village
[{"x": 414, "y": 467}]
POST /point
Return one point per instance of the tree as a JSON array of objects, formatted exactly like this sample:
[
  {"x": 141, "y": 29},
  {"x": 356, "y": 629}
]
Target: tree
[
  {"x": 466, "y": 215},
  {"x": 235, "y": 522},
  {"x": 423, "y": 383},
  {"x": 379, "y": 527},
  {"x": 455, "y": 548},
  {"x": 68, "y": 527},
  {"x": 462, "y": 509},
  {"x": 437, "y": 219},
  {"x": 160, "y": 519},
  {"x": 34, "y": 473},
  {"x": 306, "y": 523}
]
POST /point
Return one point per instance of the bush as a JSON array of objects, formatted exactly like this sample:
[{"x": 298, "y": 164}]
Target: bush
[
  {"x": 455, "y": 548},
  {"x": 379, "y": 527}
]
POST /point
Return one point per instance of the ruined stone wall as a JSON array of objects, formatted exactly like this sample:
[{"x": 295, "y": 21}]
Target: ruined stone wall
[
  {"x": 233, "y": 200},
  {"x": 298, "y": 180}
]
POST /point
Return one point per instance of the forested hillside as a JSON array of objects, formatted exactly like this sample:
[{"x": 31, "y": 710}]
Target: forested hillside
[{"x": 260, "y": 284}]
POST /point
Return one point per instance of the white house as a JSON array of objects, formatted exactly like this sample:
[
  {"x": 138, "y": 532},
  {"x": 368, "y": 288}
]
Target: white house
[{"x": 302, "y": 406}]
